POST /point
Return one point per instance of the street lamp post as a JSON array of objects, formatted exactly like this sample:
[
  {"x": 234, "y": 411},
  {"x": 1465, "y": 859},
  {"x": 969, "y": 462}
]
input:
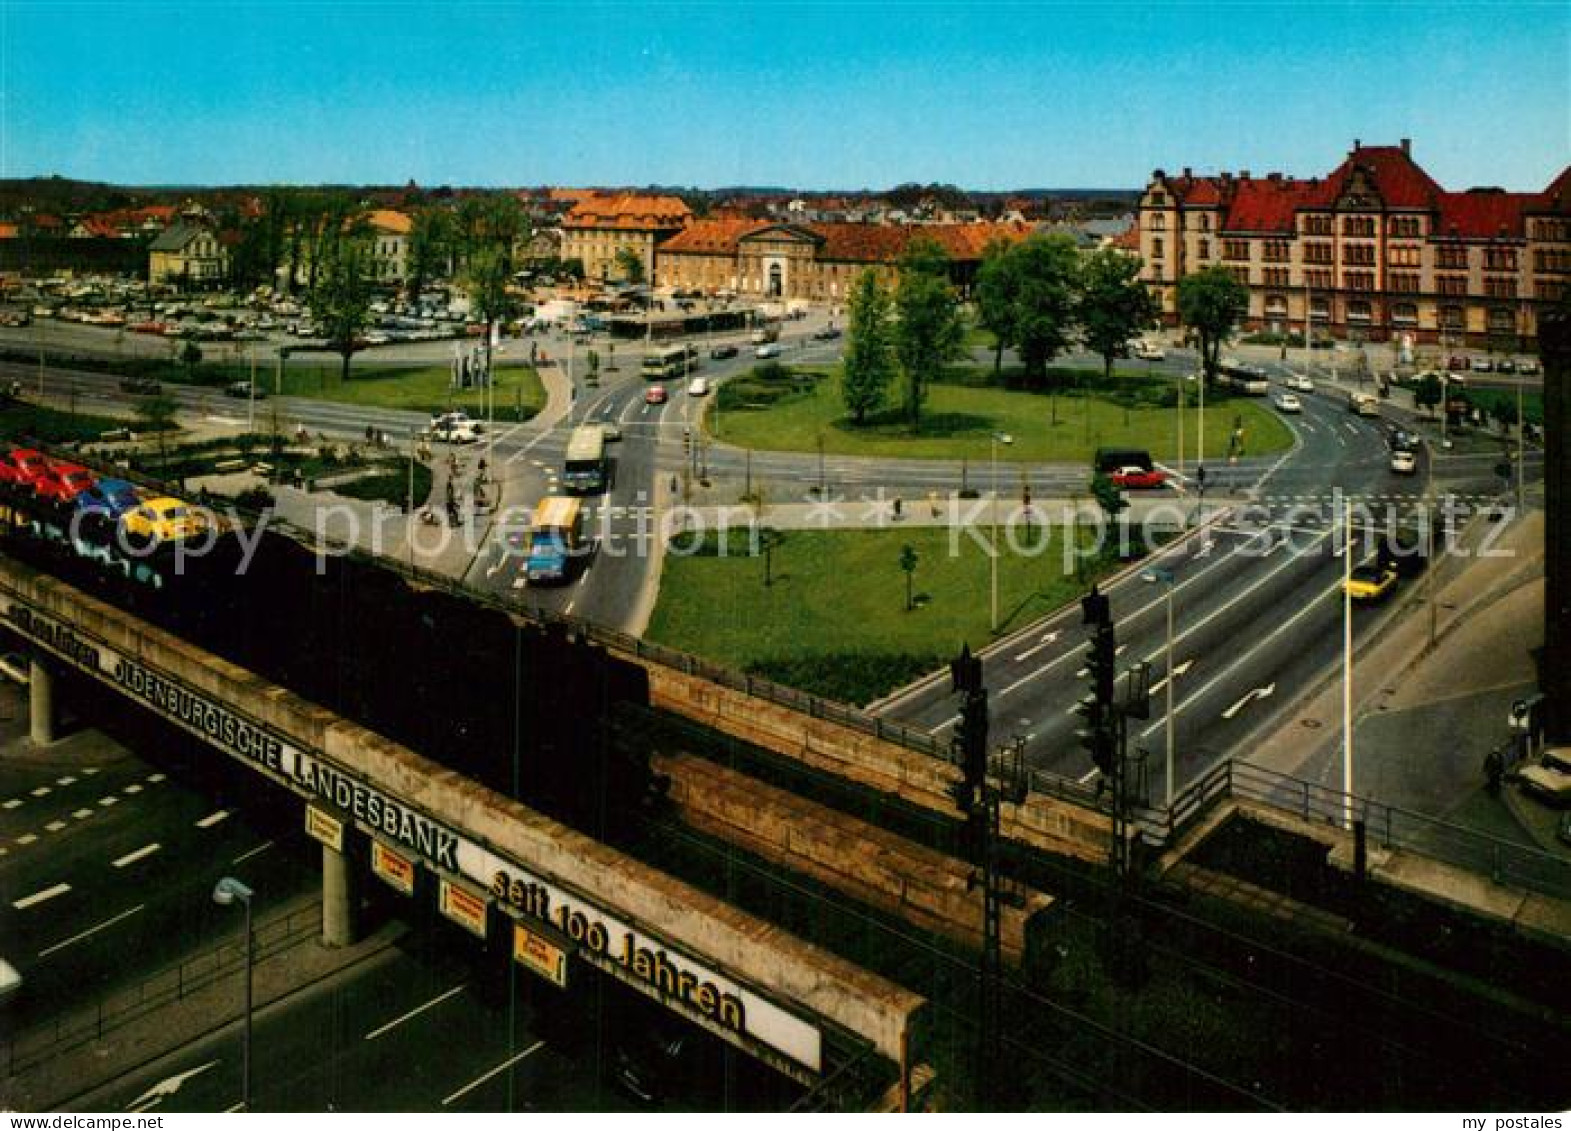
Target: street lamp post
[
  {"x": 1164, "y": 577},
  {"x": 993, "y": 441},
  {"x": 228, "y": 892}
]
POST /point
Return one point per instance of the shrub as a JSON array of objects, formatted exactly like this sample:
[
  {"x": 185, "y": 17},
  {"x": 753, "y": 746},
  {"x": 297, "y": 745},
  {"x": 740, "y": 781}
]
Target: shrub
[{"x": 847, "y": 677}]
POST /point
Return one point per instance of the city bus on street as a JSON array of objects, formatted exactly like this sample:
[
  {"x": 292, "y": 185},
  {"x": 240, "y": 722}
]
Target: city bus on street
[
  {"x": 584, "y": 471},
  {"x": 556, "y": 537},
  {"x": 669, "y": 363}
]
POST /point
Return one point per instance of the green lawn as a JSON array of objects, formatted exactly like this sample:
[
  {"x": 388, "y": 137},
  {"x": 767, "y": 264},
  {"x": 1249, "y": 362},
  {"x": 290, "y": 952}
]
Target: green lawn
[
  {"x": 958, "y": 419},
  {"x": 19, "y": 420},
  {"x": 424, "y": 389},
  {"x": 797, "y": 630}
]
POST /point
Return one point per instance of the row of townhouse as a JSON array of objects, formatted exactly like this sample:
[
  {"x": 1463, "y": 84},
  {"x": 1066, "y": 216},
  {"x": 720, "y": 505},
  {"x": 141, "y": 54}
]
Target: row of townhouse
[{"x": 1377, "y": 250}]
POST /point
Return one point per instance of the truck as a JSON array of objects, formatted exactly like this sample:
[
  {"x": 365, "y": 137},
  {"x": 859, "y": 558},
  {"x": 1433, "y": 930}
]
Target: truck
[
  {"x": 1363, "y": 404},
  {"x": 555, "y": 538}
]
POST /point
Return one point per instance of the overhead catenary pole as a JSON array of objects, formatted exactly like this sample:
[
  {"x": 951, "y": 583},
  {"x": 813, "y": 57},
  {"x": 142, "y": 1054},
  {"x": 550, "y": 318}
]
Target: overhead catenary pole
[{"x": 1347, "y": 661}]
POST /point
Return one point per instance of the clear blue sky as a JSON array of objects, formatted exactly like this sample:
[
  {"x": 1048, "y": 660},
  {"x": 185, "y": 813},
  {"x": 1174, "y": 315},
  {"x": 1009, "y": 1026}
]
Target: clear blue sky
[{"x": 811, "y": 95}]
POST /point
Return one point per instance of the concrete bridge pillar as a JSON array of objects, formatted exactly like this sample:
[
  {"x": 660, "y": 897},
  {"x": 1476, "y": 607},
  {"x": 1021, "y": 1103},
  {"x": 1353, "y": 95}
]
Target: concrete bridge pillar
[
  {"x": 338, "y": 899},
  {"x": 41, "y": 701}
]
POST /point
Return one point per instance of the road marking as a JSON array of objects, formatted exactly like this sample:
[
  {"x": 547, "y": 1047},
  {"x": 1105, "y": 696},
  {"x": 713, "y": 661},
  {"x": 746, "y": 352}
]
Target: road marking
[
  {"x": 415, "y": 1012},
  {"x": 1178, "y": 669},
  {"x": 67, "y": 780},
  {"x": 1085, "y": 777},
  {"x": 47, "y": 951},
  {"x": 1351, "y": 427},
  {"x": 257, "y": 851},
  {"x": 155, "y": 777},
  {"x": 212, "y": 819},
  {"x": 570, "y": 604},
  {"x": 54, "y": 826},
  {"x": 42, "y": 791},
  {"x": 82, "y": 814},
  {"x": 166, "y": 1087},
  {"x": 108, "y": 801},
  {"x": 504, "y": 1066},
  {"x": 1257, "y": 693},
  {"x": 39, "y": 896},
  {"x": 1047, "y": 641},
  {"x": 134, "y": 787},
  {"x": 140, "y": 854},
  {"x": 27, "y": 838},
  {"x": 13, "y": 803}
]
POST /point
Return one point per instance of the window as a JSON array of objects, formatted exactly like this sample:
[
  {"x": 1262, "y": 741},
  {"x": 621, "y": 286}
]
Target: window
[
  {"x": 1276, "y": 306},
  {"x": 1205, "y": 249},
  {"x": 1156, "y": 253},
  {"x": 1317, "y": 253},
  {"x": 1556, "y": 230},
  {"x": 1451, "y": 318},
  {"x": 1405, "y": 227},
  {"x": 1318, "y": 280},
  {"x": 1320, "y": 308},
  {"x": 1157, "y": 224},
  {"x": 1403, "y": 282},
  {"x": 1358, "y": 310},
  {"x": 1235, "y": 250},
  {"x": 1276, "y": 277},
  {"x": 1276, "y": 251},
  {"x": 1501, "y": 320},
  {"x": 1550, "y": 290},
  {"x": 1451, "y": 284},
  {"x": 1552, "y": 260},
  {"x": 1500, "y": 259},
  {"x": 1500, "y": 286},
  {"x": 1241, "y": 274},
  {"x": 1317, "y": 226},
  {"x": 1451, "y": 258},
  {"x": 1404, "y": 255},
  {"x": 1360, "y": 254},
  {"x": 1359, "y": 280},
  {"x": 1358, "y": 225},
  {"x": 1404, "y": 313}
]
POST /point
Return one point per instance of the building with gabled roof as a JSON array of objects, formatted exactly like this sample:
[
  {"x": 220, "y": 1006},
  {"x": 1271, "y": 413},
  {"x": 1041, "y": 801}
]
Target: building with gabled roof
[
  {"x": 1376, "y": 250},
  {"x": 597, "y": 228},
  {"x": 814, "y": 261},
  {"x": 187, "y": 255}
]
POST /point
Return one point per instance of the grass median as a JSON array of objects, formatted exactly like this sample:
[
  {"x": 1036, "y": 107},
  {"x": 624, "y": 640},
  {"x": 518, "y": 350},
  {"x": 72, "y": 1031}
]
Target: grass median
[
  {"x": 783, "y": 409},
  {"x": 833, "y": 618}
]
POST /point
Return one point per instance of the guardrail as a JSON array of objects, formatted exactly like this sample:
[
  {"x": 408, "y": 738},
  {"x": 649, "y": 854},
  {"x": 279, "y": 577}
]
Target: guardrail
[
  {"x": 175, "y": 983},
  {"x": 1505, "y": 862}
]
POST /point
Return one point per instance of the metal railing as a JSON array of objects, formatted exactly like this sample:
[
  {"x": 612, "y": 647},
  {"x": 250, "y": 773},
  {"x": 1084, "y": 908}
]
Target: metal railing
[
  {"x": 1388, "y": 826},
  {"x": 172, "y": 984}
]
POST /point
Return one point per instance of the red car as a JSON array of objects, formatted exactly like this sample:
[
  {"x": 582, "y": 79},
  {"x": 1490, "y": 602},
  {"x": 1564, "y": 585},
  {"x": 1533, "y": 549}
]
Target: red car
[
  {"x": 1456, "y": 363},
  {"x": 1138, "y": 478},
  {"x": 655, "y": 394},
  {"x": 22, "y": 467},
  {"x": 63, "y": 482}
]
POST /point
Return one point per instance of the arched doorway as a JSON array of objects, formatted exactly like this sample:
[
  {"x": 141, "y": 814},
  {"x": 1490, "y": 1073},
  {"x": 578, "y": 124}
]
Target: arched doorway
[{"x": 776, "y": 281}]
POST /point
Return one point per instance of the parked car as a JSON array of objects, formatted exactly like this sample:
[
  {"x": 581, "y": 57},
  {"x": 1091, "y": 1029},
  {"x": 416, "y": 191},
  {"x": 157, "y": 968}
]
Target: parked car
[
  {"x": 1372, "y": 582},
  {"x": 767, "y": 350},
  {"x": 1527, "y": 365},
  {"x": 1404, "y": 462},
  {"x": 1287, "y": 402},
  {"x": 165, "y": 519},
  {"x": 22, "y": 467},
  {"x": 1133, "y": 478},
  {"x": 111, "y": 498},
  {"x": 655, "y": 394},
  {"x": 1456, "y": 362},
  {"x": 698, "y": 387},
  {"x": 1550, "y": 778},
  {"x": 63, "y": 482},
  {"x": 827, "y": 334},
  {"x": 1481, "y": 365},
  {"x": 243, "y": 390},
  {"x": 719, "y": 353},
  {"x": 1147, "y": 351}
]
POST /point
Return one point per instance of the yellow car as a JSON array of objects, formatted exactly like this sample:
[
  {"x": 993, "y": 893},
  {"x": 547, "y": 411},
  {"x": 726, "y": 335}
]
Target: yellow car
[
  {"x": 165, "y": 520},
  {"x": 1371, "y": 582}
]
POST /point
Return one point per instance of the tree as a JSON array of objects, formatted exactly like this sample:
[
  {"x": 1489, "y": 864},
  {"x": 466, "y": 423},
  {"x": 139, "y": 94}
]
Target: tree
[
  {"x": 869, "y": 358},
  {"x": 157, "y": 414},
  {"x": 1108, "y": 496},
  {"x": 486, "y": 281},
  {"x": 1046, "y": 271},
  {"x": 1115, "y": 305},
  {"x": 930, "y": 333},
  {"x": 190, "y": 357},
  {"x": 1427, "y": 393},
  {"x": 1212, "y": 302},
  {"x": 341, "y": 299},
  {"x": 995, "y": 298},
  {"x": 631, "y": 265},
  {"x": 431, "y": 250},
  {"x": 908, "y": 560}
]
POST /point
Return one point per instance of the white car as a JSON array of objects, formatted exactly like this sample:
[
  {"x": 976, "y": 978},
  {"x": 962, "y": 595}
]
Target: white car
[
  {"x": 698, "y": 387},
  {"x": 1287, "y": 402},
  {"x": 767, "y": 350},
  {"x": 1147, "y": 351},
  {"x": 456, "y": 434},
  {"x": 1300, "y": 383},
  {"x": 1527, "y": 365},
  {"x": 1404, "y": 463}
]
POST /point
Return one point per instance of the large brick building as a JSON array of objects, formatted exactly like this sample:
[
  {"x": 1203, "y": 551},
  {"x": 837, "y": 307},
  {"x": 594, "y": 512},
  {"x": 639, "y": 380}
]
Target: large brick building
[
  {"x": 597, "y": 227},
  {"x": 1375, "y": 250},
  {"x": 819, "y": 262}
]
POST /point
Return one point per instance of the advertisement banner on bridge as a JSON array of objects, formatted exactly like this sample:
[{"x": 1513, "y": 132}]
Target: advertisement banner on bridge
[
  {"x": 464, "y": 908},
  {"x": 533, "y": 950},
  {"x": 396, "y": 871}
]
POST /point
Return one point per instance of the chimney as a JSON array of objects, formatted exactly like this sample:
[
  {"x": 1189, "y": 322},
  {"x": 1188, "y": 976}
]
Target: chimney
[
  {"x": 1187, "y": 173},
  {"x": 1407, "y": 147},
  {"x": 1243, "y": 174},
  {"x": 1274, "y": 178}
]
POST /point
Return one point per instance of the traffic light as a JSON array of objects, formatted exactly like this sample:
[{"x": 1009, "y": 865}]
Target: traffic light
[
  {"x": 971, "y": 737},
  {"x": 1096, "y": 709},
  {"x": 1100, "y": 660},
  {"x": 1094, "y": 734}
]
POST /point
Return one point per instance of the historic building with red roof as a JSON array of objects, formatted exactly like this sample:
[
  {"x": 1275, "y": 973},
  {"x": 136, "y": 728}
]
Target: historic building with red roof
[
  {"x": 597, "y": 227},
  {"x": 1376, "y": 249},
  {"x": 810, "y": 260}
]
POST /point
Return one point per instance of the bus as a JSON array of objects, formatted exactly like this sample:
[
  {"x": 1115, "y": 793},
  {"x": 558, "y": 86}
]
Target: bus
[
  {"x": 1242, "y": 377},
  {"x": 584, "y": 469},
  {"x": 670, "y": 363},
  {"x": 555, "y": 538}
]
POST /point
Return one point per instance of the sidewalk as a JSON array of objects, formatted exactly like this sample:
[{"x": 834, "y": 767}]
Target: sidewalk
[{"x": 880, "y": 512}]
